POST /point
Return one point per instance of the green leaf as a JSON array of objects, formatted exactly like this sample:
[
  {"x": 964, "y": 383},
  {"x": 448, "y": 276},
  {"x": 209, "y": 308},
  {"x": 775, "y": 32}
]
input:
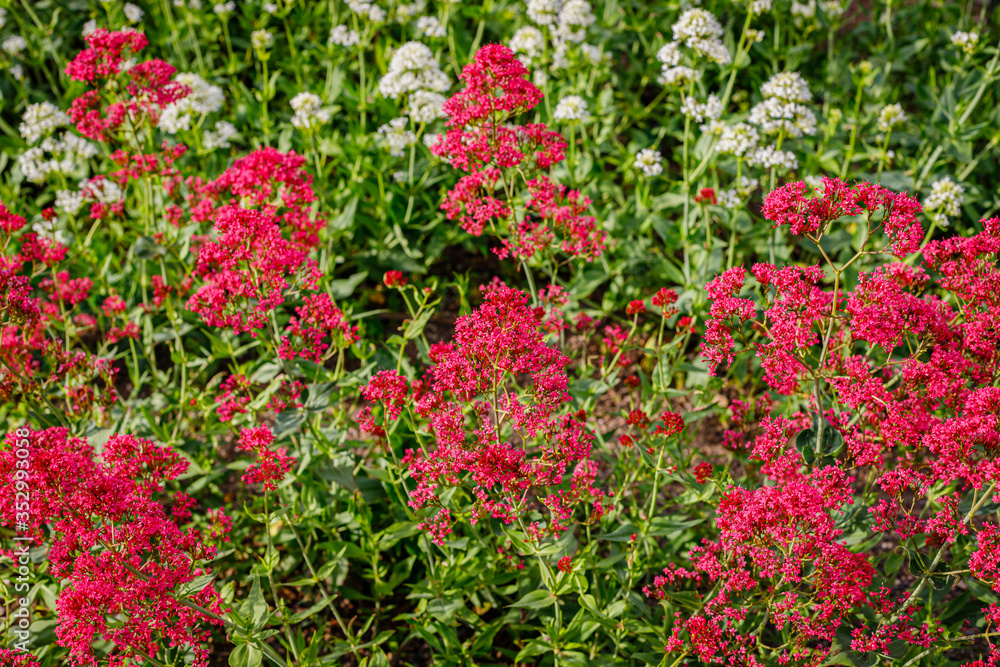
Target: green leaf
[
  {"x": 245, "y": 655},
  {"x": 536, "y": 600}
]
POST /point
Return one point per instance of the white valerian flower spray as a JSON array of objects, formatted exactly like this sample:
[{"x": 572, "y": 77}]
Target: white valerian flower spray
[
  {"x": 944, "y": 202},
  {"x": 649, "y": 161},
  {"x": 309, "y": 112}
]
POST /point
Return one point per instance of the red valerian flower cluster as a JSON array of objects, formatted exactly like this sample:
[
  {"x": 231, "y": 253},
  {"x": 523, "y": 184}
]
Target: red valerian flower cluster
[
  {"x": 148, "y": 85},
  {"x": 121, "y": 553},
  {"x": 899, "y": 372},
  {"x": 496, "y": 403},
  {"x": 778, "y": 555},
  {"x": 480, "y": 141},
  {"x": 271, "y": 465},
  {"x": 810, "y": 213},
  {"x": 246, "y": 270}
]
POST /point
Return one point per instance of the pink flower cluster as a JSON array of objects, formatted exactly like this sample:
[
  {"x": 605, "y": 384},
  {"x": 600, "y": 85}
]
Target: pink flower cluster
[
  {"x": 481, "y": 141},
  {"x": 495, "y": 401},
  {"x": 121, "y": 553}
]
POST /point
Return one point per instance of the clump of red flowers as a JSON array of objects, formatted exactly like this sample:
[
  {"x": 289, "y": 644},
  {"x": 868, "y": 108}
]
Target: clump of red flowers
[{"x": 496, "y": 154}]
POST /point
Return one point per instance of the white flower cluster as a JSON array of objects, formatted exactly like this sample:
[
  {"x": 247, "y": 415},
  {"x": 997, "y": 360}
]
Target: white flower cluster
[
  {"x": 649, "y": 161},
  {"x": 544, "y": 12},
  {"x": 431, "y": 27},
  {"x": 528, "y": 43},
  {"x": 222, "y": 8},
  {"x": 14, "y": 44},
  {"x": 783, "y": 109},
  {"x": 102, "y": 191},
  {"x": 571, "y": 108},
  {"x": 341, "y": 35},
  {"x": 219, "y": 138},
  {"x": 890, "y": 116},
  {"x": 944, "y": 201},
  {"x": 732, "y": 197},
  {"x": 397, "y": 137},
  {"x": 55, "y": 155},
  {"x": 803, "y": 11},
  {"x": 309, "y": 111},
  {"x": 738, "y": 140},
  {"x": 568, "y": 21},
  {"x": 89, "y": 27},
  {"x": 203, "y": 99},
  {"x": 413, "y": 67},
  {"x": 700, "y": 31},
  {"x": 768, "y": 157},
  {"x": 679, "y": 76},
  {"x": 367, "y": 10},
  {"x": 261, "y": 40},
  {"x": 133, "y": 13},
  {"x": 425, "y": 106},
  {"x": 710, "y": 109},
  {"x": 41, "y": 119},
  {"x": 758, "y": 7},
  {"x": 270, "y": 7},
  {"x": 967, "y": 41},
  {"x": 69, "y": 201},
  {"x": 574, "y": 19},
  {"x": 405, "y": 12}
]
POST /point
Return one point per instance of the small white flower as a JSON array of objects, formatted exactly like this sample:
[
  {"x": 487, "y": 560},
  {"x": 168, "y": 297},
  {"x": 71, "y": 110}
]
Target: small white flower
[
  {"x": 711, "y": 109},
  {"x": 425, "y": 106},
  {"x": 593, "y": 54},
  {"x": 700, "y": 31},
  {"x": 669, "y": 54},
  {"x": 400, "y": 176},
  {"x": 102, "y": 190},
  {"x": 224, "y": 131},
  {"x": 261, "y": 40},
  {"x": 890, "y": 116},
  {"x": 649, "y": 162},
  {"x": 69, "y": 201},
  {"x": 406, "y": 12},
  {"x": 967, "y": 41},
  {"x": 40, "y": 119},
  {"x": 133, "y": 13},
  {"x": 769, "y": 157},
  {"x": 571, "y": 108},
  {"x": 529, "y": 43},
  {"x": 746, "y": 186},
  {"x": 225, "y": 7},
  {"x": 944, "y": 201},
  {"x": 544, "y": 12},
  {"x": 783, "y": 109},
  {"x": 431, "y": 27},
  {"x": 574, "y": 19},
  {"x": 759, "y": 6},
  {"x": 787, "y": 87},
  {"x": 203, "y": 99},
  {"x": 14, "y": 44},
  {"x": 17, "y": 72},
  {"x": 737, "y": 140},
  {"x": 341, "y": 35},
  {"x": 728, "y": 198},
  {"x": 397, "y": 138},
  {"x": 309, "y": 111},
  {"x": 270, "y": 7},
  {"x": 89, "y": 27},
  {"x": 413, "y": 67},
  {"x": 679, "y": 76}
]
